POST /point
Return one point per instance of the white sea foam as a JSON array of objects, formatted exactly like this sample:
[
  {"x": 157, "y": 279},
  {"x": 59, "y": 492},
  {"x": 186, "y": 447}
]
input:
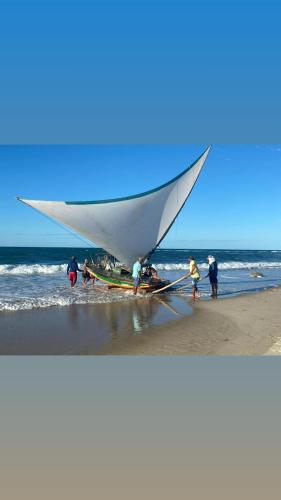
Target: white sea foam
[
  {"x": 222, "y": 265},
  {"x": 41, "y": 269},
  {"x": 27, "y": 303},
  {"x": 31, "y": 286},
  {"x": 30, "y": 269}
]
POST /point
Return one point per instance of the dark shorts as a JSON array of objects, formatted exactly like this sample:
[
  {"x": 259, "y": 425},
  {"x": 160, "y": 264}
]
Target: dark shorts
[
  {"x": 136, "y": 282},
  {"x": 213, "y": 280}
]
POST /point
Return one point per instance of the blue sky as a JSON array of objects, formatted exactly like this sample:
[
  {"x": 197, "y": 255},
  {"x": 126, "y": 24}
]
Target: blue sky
[
  {"x": 142, "y": 71},
  {"x": 235, "y": 204},
  {"x": 124, "y": 71}
]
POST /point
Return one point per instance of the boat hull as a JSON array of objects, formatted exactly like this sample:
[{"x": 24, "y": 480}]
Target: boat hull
[{"x": 126, "y": 282}]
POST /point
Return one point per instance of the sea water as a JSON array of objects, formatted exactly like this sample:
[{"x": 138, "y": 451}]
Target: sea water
[{"x": 36, "y": 277}]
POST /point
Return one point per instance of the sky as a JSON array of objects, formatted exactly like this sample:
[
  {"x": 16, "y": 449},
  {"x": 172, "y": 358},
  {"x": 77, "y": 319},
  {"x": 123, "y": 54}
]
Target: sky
[
  {"x": 102, "y": 67},
  {"x": 235, "y": 204},
  {"x": 140, "y": 72}
]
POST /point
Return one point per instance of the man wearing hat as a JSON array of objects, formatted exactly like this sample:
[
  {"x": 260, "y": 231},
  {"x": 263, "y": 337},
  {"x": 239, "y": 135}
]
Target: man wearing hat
[{"x": 213, "y": 275}]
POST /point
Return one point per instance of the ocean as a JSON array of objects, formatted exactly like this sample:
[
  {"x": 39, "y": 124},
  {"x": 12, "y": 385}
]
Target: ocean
[{"x": 36, "y": 277}]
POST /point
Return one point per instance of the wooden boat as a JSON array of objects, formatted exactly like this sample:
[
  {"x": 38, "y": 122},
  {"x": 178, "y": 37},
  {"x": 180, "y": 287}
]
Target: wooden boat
[{"x": 123, "y": 279}]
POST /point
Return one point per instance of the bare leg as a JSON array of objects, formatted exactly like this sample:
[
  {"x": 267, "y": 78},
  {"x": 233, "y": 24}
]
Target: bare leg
[
  {"x": 75, "y": 279},
  {"x": 136, "y": 285},
  {"x": 214, "y": 291}
]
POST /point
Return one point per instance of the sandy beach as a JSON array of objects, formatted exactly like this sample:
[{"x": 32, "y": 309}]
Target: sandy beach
[
  {"x": 169, "y": 325},
  {"x": 243, "y": 325}
]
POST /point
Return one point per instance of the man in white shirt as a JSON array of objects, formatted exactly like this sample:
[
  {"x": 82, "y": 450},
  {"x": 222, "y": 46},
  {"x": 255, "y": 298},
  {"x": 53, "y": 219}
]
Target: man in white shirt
[{"x": 136, "y": 274}]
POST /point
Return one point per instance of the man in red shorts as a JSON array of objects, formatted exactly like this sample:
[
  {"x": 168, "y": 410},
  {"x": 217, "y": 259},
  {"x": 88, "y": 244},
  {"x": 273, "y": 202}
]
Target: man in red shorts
[{"x": 72, "y": 269}]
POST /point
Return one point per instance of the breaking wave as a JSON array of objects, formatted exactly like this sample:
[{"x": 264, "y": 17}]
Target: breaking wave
[
  {"x": 49, "y": 300},
  {"x": 222, "y": 266},
  {"x": 31, "y": 269},
  {"x": 43, "y": 269}
]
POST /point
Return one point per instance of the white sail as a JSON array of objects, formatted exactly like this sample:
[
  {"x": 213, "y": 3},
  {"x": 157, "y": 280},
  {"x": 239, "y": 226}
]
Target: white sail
[{"x": 126, "y": 227}]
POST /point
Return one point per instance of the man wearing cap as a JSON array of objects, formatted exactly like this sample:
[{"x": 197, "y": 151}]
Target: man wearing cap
[{"x": 213, "y": 275}]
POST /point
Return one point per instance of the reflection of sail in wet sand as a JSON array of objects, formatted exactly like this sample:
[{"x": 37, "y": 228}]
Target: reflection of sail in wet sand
[
  {"x": 134, "y": 315},
  {"x": 119, "y": 321},
  {"x": 86, "y": 329},
  {"x": 137, "y": 323}
]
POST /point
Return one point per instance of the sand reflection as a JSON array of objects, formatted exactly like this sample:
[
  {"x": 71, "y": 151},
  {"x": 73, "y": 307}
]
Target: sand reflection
[{"x": 86, "y": 328}]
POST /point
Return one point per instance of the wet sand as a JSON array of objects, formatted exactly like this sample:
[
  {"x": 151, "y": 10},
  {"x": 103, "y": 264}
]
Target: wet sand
[
  {"x": 243, "y": 325},
  {"x": 87, "y": 328}
]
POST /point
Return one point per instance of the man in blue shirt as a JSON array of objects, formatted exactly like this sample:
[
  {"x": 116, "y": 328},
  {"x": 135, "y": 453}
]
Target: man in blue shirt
[
  {"x": 136, "y": 274},
  {"x": 213, "y": 276},
  {"x": 72, "y": 269}
]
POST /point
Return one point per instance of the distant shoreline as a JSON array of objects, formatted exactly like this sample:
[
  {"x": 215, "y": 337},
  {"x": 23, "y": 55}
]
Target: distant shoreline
[{"x": 159, "y": 248}]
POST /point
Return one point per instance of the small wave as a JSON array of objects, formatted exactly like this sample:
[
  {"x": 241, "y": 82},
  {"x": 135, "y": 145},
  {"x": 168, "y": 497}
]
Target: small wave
[
  {"x": 221, "y": 265},
  {"x": 28, "y": 303},
  {"x": 30, "y": 269},
  {"x": 47, "y": 269}
]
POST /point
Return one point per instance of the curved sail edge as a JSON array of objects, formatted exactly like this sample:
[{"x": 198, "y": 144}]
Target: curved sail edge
[{"x": 126, "y": 227}]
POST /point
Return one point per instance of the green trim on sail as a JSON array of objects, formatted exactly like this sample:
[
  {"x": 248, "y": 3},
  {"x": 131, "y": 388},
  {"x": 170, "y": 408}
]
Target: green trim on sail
[{"x": 140, "y": 195}]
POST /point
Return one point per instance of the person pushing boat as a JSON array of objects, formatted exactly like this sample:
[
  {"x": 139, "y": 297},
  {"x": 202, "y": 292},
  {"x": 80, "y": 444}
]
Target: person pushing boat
[
  {"x": 195, "y": 276},
  {"x": 136, "y": 274},
  {"x": 86, "y": 275},
  {"x": 72, "y": 269}
]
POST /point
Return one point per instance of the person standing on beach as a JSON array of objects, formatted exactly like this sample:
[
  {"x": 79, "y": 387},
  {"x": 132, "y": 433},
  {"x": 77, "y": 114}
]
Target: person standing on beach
[
  {"x": 86, "y": 275},
  {"x": 72, "y": 269},
  {"x": 136, "y": 274},
  {"x": 195, "y": 276},
  {"x": 213, "y": 275}
]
